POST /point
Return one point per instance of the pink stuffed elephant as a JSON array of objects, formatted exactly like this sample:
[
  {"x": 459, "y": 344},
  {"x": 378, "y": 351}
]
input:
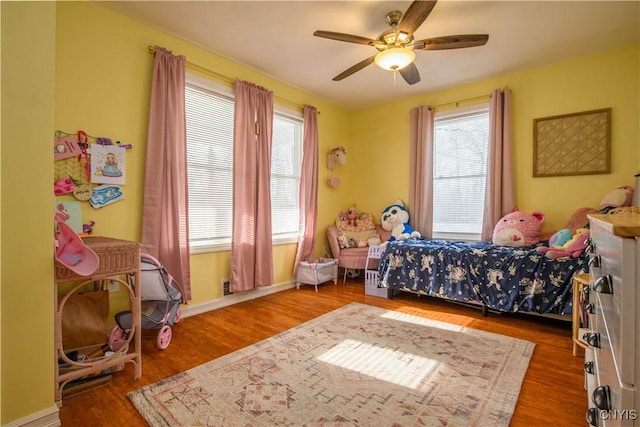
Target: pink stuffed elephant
[{"x": 518, "y": 229}]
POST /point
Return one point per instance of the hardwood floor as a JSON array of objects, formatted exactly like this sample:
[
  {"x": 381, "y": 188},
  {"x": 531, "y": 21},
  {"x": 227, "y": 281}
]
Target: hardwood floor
[{"x": 552, "y": 392}]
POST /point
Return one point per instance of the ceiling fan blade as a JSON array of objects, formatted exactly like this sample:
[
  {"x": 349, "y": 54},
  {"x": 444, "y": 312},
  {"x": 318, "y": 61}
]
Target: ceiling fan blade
[
  {"x": 410, "y": 74},
  {"x": 451, "y": 42},
  {"x": 359, "y": 66},
  {"x": 344, "y": 37},
  {"x": 415, "y": 16}
]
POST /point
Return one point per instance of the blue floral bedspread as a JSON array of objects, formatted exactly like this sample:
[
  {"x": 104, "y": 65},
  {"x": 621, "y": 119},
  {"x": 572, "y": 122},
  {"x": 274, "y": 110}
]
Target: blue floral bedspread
[{"x": 502, "y": 278}]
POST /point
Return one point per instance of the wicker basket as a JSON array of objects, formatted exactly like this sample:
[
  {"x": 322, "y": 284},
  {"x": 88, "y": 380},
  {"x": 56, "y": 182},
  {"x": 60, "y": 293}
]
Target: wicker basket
[{"x": 116, "y": 257}]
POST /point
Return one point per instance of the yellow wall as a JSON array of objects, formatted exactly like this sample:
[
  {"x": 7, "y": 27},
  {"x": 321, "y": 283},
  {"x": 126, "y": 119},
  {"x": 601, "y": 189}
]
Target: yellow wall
[
  {"x": 26, "y": 165},
  {"x": 102, "y": 83},
  {"x": 610, "y": 79}
]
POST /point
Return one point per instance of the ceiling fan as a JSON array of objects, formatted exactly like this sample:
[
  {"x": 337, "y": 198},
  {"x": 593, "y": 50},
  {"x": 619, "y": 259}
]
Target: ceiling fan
[{"x": 396, "y": 46}]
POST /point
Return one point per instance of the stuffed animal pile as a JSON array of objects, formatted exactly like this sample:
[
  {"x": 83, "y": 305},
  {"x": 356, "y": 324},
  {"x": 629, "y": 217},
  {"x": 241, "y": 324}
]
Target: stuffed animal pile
[
  {"x": 569, "y": 248},
  {"x": 395, "y": 218},
  {"x": 356, "y": 229},
  {"x": 522, "y": 229}
]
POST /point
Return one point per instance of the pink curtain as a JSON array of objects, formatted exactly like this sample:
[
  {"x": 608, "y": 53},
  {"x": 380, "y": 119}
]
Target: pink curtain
[
  {"x": 308, "y": 188},
  {"x": 499, "y": 198},
  {"x": 251, "y": 241},
  {"x": 421, "y": 169},
  {"x": 165, "y": 233}
]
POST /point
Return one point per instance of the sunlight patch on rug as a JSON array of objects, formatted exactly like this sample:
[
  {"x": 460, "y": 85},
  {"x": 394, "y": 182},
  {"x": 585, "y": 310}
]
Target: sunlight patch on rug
[
  {"x": 404, "y": 317},
  {"x": 358, "y": 365},
  {"x": 409, "y": 370}
]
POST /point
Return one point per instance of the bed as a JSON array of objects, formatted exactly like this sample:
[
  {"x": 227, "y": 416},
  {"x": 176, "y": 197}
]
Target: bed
[{"x": 500, "y": 278}]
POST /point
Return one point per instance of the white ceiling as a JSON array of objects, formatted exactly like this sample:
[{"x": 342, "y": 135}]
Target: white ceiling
[{"x": 276, "y": 38}]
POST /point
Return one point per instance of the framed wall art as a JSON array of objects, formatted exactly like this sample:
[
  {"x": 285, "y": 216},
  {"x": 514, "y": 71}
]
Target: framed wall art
[{"x": 572, "y": 144}]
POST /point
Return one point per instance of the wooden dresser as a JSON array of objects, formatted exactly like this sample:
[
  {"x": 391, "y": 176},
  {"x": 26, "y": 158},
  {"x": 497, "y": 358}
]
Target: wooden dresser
[{"x": 612, "y": 357}]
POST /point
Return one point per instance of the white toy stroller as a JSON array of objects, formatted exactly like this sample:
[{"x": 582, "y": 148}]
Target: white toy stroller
[{"x": 160, "y": 303}]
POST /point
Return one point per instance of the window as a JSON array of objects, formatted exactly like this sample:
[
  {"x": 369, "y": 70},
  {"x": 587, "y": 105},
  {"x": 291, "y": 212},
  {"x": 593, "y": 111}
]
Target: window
[
  {"x": 209, "y": 116},
  {"x": 461, "y": 140},
  {"x": 286, "y": 164}
]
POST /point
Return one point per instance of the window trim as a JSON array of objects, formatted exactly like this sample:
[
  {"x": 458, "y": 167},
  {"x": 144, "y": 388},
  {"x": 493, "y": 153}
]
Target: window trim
[
  {"x": 226, "y": 91},
  {"x": 462, "y": 111},
  {"x": 451, "y": 113}
]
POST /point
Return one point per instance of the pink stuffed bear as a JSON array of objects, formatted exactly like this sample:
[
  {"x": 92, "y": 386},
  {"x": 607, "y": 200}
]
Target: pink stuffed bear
[
  {"x": 518, "y": 229},
  {"x": 573, "y": 248}
]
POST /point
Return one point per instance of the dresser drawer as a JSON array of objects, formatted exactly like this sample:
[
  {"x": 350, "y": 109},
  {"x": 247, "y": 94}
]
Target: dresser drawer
[
  {"x": 617, "y": 262},
  {"x": 606, "y": 372},
  {"x": 622, "y": 396}
]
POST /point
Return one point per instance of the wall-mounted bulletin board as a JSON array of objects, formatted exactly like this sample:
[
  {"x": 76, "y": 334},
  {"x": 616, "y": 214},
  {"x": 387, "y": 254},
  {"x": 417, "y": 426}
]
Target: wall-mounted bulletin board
[{"x": 572, "y": 144}]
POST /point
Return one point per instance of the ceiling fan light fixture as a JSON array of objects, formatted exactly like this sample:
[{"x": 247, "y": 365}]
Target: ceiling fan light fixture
[{"x": 395, "y": 58}]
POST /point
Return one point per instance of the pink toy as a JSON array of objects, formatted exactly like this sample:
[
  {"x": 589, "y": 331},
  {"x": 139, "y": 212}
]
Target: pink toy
[
  {"x": 63, "y": 186},
  {"x": 518, "y": 229},
  {"x": 352, "y": 216},
  {"x": 573, "y": 248},
  {"x": 621, "y": 196},
  {"x": 70, "y": 250}
]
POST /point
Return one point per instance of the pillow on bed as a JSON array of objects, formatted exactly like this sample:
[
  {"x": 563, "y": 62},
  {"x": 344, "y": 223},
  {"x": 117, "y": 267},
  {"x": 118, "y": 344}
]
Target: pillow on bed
[{"x": 518, "y": 229}]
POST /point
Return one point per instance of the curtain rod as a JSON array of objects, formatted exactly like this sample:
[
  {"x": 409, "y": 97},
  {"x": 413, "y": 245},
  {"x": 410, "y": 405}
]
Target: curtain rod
[
  {"x": 457, "y": 103},
  {"x": 230, "y": 81}
]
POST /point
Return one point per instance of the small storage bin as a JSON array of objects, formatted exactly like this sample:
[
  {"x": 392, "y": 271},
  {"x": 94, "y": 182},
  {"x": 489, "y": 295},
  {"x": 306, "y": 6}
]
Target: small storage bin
[{"x": 320, "y": 271}]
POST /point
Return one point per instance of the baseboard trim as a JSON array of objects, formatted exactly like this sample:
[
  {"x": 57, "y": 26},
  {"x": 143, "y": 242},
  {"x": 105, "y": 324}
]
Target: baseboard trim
[
  {"x": 46, "y": 418},
  {"x": 193, "y": 309}
]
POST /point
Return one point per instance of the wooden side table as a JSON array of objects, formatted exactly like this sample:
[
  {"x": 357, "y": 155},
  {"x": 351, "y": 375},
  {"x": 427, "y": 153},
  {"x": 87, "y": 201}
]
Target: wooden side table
[
  {"x": 118, "y": 258},
  {"x": 581, "y": 283}
]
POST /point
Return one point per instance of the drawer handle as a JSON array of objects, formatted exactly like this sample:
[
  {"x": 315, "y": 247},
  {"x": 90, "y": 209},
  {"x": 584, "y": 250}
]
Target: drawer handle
[
  {"x": 591, "y": 247},
  {"x": 592, "y": 338},
  {"x": 592, "y": 416},
  {"x": 602, "y": 397},
  {"x": 595, "y": 261},
  {"x": 589, "y": 308},
  {"x": 603, "y": 285},
  {"x": 588, "y": 367}
]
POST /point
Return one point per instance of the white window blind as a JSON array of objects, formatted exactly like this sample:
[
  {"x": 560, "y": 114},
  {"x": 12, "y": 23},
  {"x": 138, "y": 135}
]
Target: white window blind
[
  {"x": 286, "y": 163},
  {"x": 459, "y": 173},
  {"x": 209, "y": 116},
  {"x": 209, "y": 119}
]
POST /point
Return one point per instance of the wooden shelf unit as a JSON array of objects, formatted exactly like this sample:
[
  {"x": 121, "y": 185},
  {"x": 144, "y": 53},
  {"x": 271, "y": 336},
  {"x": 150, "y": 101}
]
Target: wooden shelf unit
[{"x": 581, "y": 283}]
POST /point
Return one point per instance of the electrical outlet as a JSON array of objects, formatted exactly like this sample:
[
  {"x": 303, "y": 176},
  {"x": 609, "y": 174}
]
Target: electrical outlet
[{"x": 113, "y": 286}]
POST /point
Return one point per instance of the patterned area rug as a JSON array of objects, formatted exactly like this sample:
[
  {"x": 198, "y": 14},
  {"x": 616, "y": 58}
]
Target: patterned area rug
[{"x": 358, "y": 365}]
